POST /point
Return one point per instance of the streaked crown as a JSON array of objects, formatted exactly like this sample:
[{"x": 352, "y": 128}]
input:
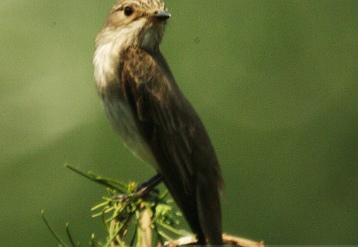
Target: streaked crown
[
  {"x": 136, "y": 20},
  {"x": 140, "y": 3}
]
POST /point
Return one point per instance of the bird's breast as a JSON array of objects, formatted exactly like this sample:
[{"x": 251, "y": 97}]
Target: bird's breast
[
  {"x": 106, "y": 61},
  {"x": 121, "y": 117}
]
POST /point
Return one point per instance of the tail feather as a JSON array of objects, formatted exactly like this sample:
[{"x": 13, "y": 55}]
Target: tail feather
[
  {"x": 209, "y": 209},
  {"x": 201, "y": 209}
]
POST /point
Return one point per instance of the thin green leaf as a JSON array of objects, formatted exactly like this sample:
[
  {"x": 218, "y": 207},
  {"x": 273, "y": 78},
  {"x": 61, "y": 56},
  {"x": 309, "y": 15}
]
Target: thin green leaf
[
  {"x": 93, "y": 243},
  {"x": 100, "y": 205},
  {"x": 69, "y": 235},
  {"x": 108, "y": 182},
  {"x": 179, "y": 232},
  {"x": 131, "y": 243},
  {"x": 59, "y": 240},
  {"x": 164, "y": 235}
]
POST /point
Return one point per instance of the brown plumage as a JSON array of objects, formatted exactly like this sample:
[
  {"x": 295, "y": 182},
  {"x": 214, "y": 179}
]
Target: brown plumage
[{"x": 155, "y": 120}]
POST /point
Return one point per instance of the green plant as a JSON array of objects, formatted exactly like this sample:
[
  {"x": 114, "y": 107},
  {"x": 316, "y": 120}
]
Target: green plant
[{"x": 150, "y": 218}]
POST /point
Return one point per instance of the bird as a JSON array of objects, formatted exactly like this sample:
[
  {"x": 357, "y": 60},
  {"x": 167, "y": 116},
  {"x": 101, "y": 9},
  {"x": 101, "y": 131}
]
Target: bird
[{"x": 146, "y": 107}]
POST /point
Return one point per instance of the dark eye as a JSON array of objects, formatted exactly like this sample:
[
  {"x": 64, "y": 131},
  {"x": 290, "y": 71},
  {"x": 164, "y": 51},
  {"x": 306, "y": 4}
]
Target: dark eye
[{"x": 128, "y": 11}]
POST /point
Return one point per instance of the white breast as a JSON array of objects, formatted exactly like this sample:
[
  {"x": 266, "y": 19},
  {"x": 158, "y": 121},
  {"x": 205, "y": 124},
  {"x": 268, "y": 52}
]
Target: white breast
[
  {"x": 109, "y": 44},
  {"x": 106, "y": 59}
]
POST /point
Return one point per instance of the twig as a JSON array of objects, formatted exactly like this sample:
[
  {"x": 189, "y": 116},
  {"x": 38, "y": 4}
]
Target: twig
[{"x": 227, "y": 239}]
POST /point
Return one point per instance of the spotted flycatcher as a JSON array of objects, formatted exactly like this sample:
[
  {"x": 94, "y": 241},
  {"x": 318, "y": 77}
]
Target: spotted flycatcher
[{"x": 155, "y": 120}]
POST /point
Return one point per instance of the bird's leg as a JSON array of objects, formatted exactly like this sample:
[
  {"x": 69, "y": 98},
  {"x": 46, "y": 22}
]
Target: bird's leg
[
  {"x": 143, "y": 189},
  {"x": 147, "y": 186}
]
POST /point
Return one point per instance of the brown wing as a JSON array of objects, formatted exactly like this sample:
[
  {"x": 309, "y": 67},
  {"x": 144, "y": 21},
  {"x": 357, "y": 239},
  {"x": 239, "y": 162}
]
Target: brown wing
[
  {"x": 175, "y": 134},
  {"x": 160, "y": 112}
]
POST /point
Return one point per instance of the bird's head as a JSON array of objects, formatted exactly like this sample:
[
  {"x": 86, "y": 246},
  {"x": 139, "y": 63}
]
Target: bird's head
[{"x": 136, "y": 23}]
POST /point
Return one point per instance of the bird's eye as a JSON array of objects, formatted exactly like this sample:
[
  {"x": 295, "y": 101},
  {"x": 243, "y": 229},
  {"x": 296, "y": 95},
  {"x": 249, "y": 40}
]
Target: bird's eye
[{"x": 128, "y": 11}]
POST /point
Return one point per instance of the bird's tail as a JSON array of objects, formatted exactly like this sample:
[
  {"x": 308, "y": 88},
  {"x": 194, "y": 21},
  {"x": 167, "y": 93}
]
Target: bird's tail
[{"x": 201, "y": 209}]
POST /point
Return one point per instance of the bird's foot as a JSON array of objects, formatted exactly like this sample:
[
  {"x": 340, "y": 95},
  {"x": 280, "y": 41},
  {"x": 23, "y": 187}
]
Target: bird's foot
[{"x": 142, "y": 190}]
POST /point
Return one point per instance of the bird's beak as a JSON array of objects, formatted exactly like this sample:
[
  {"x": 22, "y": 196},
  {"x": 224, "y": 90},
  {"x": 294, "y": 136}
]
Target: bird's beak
[{"x": 162, "y": 15}]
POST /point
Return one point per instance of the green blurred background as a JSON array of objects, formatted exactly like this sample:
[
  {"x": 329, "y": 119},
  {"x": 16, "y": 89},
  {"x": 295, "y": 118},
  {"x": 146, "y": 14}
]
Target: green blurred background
[{"x": 275, "y": 82}]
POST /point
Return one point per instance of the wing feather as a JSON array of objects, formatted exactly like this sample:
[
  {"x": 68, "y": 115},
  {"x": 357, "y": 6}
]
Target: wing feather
[
  {"x": 177, "y": 139},
  {"x": 161, "y": 115}
]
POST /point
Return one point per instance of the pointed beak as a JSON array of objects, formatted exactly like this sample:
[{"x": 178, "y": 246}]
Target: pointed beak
[{"x": 162, "y": 15}]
